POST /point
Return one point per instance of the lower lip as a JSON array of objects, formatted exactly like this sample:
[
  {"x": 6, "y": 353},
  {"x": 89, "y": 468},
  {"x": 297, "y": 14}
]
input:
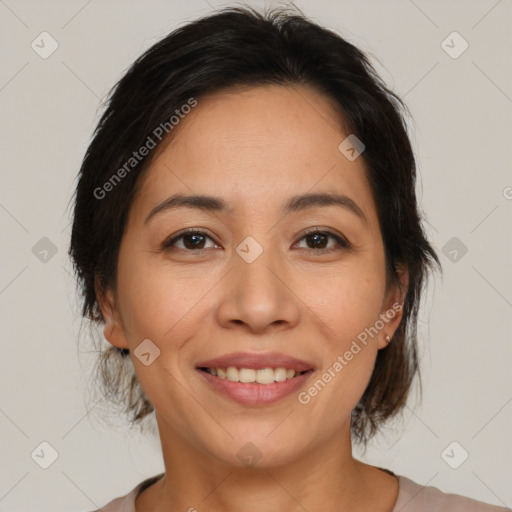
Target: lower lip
[{"x": 253, "y": 393}]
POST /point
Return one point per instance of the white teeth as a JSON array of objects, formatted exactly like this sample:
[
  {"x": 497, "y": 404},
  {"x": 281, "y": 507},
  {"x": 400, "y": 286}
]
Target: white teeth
[
  {"x": 248, "y": 375},
  {"x": 280, "y": 374},
  {"x": 232, "y": 374},
  {"x": 265, "y": 376}
]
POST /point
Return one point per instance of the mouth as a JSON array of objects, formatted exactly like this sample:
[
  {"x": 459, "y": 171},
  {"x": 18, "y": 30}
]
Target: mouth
[
  {"x": 255, "y": 379},
  {"x": 264, "y": 376}
]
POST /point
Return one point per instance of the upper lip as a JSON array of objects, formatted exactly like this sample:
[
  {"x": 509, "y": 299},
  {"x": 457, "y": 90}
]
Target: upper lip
[{"x": 257, "y": 361}]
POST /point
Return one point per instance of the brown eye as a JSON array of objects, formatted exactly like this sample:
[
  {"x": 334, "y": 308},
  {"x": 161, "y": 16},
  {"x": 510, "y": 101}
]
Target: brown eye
[
  {"x": 191, "y": 240},
  {"x": 317, "y": 241}
]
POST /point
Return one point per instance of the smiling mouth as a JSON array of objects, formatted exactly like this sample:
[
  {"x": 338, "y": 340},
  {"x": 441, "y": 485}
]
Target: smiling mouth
[{"x": 254, "y": 376}]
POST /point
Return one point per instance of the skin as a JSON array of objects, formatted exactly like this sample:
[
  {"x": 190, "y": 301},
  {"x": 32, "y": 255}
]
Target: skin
[{"x": 255, "y": 148}]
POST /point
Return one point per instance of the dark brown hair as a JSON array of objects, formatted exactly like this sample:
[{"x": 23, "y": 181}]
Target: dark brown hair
[{"x": 243, "y": 47}]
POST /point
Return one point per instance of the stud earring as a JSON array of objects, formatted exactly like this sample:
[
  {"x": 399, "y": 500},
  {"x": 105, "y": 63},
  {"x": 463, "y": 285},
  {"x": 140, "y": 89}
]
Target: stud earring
[{"x": 387, "y": 339}]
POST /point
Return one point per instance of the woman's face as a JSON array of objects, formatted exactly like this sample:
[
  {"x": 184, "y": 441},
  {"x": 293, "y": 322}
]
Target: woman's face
[{"x": 253, "y": 282}]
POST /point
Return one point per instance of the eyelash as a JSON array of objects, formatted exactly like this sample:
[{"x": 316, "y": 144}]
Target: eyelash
[{"x": 342, "y": 243}]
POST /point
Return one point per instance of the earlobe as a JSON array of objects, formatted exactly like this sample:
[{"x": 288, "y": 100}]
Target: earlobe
[
  {"x": 394, "y": 305},
  {"x": 113, "y": 329}
]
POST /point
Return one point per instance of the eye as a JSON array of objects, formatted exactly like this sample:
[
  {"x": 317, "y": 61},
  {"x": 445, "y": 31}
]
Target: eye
[
  {"x": 318, "y": 240},
  {"x": 192, "y": 240}
]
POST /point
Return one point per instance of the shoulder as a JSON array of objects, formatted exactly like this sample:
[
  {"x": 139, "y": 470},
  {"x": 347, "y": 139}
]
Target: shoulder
[
  {"x": 413, "y": 497},
  {"x": 126, "y": 503}
]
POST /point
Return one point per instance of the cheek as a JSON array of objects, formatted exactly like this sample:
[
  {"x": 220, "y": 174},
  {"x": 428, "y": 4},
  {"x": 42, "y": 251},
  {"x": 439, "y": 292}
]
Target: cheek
[
  {"x": 349, "y": 308},
  {"x": 154, "y": 305},
  {"x": 159, "y": 302},
  {"x": 348, "y": 299},
  {"x": 347, "y": 305}
]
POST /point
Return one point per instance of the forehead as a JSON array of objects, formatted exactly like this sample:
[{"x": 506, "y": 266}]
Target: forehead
[{"x": 256, "y": 146}]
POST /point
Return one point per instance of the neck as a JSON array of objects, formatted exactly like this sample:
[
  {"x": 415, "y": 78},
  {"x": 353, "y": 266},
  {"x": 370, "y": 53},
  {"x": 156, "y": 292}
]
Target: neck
[{"x": 326, "y": 478}]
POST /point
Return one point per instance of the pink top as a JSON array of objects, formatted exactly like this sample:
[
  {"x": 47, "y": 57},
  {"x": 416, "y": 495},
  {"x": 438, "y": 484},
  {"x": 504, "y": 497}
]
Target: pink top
[{"x": 412, "y": 497}]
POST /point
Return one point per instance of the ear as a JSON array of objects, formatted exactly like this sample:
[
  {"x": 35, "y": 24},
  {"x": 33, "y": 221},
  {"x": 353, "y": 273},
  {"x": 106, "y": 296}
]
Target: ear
[
  {"x": 393, "y": 307},
  {"x": 114, "y": 330}
]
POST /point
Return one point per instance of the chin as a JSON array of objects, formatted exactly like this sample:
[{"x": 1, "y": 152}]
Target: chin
[{"x": 257, "y": 450}]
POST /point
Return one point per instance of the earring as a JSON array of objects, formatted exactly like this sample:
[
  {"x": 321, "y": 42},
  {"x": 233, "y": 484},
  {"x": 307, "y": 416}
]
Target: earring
[{"x": 387, "y": 339}]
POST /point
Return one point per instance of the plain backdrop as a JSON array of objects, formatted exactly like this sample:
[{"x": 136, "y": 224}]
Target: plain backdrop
[{"x": 461, "y": 105}]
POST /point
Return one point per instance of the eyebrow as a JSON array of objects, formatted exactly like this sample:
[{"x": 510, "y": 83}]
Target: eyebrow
[{"x": 294, "y": 204}]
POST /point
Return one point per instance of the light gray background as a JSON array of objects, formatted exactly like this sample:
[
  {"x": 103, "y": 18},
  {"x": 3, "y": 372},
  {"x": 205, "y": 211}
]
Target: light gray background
[{"x": 462, "y": 134}]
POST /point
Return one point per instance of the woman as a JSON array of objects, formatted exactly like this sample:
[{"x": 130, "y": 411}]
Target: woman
[{"x": 246, "y": 230}]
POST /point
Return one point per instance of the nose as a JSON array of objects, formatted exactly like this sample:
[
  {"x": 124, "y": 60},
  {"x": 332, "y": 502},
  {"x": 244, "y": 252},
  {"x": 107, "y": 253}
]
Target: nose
[{"x": 259, "y": 296}]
